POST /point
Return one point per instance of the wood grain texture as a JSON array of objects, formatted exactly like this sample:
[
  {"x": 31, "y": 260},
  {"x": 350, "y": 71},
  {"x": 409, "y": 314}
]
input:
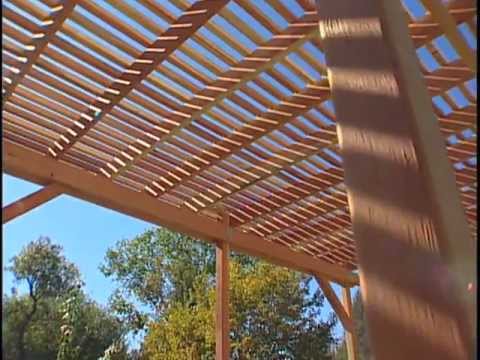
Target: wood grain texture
[{"x": 416, "y": 256}]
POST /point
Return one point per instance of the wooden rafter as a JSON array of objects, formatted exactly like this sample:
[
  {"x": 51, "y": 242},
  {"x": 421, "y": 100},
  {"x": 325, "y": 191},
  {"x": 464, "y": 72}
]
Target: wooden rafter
[
  {"x": 440, "y": 14},
  {"x": 171, "y": 135},
  {"x": 216, "y": 101},
  {"x": 261, "y": 60}
]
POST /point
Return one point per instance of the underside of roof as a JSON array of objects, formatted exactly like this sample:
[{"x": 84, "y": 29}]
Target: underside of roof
[{"x": 218, "y": 106}]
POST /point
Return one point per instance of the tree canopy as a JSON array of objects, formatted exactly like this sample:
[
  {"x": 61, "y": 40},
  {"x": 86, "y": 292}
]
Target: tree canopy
[
  {"x": 165, "y": 289},
  {"x": 54, "y": 319},
  {"x": 274, "y": 315}
]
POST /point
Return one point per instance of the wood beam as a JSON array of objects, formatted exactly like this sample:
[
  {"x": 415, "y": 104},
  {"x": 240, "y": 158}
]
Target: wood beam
[
  {"x": 415, "y": 253},
  {"x": 222, "y": 332},
  {"x": 30, "y": 202},
  {"x": 42, "y": 169},
  {"x": 350, "y": 336},
  {"x": 440, "y": 14},
  {"x": 335, "y": 303}
]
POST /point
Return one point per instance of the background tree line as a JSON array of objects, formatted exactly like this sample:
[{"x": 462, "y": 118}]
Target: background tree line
[{"x": 165, "y": 293}]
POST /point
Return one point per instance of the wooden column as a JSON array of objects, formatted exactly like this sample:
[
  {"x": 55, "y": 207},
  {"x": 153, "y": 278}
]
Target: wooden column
[
  {"x": 30, "y": 202},
  {"x": 350, "y": 336},
  {"x": 222, "y": 343},
  {"x": 415, "y": 253}
]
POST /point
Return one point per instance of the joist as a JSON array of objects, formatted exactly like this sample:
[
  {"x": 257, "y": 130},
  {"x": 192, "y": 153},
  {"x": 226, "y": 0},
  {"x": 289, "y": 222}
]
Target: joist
[{"x": 410, "y": 224}]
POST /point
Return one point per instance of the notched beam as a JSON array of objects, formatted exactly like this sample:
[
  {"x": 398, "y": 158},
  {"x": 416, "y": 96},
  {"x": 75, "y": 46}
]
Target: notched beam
[{"x": 97, "y": 189}]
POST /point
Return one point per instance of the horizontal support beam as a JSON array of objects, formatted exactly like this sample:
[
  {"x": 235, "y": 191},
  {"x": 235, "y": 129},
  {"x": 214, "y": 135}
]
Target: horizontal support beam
[
  {"x": 335, "y": 303},
  {"x": 32, "y": 166},
  {"x": 30, "y": 202}
]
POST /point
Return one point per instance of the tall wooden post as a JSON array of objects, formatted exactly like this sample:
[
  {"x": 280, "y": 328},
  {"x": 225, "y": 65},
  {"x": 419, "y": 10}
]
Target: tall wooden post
[
  {"x": 222, "y": 345},
  {"x": 350, "y": 336},
  {"x": 415, "y": 253}
]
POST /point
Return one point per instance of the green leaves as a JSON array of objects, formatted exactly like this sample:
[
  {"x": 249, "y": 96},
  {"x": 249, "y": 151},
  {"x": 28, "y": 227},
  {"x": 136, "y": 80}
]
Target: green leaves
[
  {"x": 273, "y": 315},
  {"x": 44, "y": 268},
  {"x": 55, "y": 319}
]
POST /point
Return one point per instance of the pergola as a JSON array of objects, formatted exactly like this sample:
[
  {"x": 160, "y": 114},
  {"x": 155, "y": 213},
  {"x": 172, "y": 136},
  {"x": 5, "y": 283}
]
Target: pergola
[{"x": 336, "y": 138}]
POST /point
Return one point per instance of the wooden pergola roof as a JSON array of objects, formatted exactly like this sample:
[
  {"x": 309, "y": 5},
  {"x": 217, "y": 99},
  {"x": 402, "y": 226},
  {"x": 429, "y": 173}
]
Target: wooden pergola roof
[{"x": 197, "y": 109}]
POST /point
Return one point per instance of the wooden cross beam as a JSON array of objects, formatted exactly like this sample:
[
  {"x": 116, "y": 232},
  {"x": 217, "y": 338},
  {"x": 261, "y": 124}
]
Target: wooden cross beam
[
  {"x": 41, "y": 169},
  {"x": 336, "y": 304}
]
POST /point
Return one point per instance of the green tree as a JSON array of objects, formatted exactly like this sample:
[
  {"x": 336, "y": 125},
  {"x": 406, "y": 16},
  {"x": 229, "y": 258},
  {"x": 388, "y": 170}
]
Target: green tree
[
  {"x": 273, "y": 314},
  {"x": 32, "y": 322},
  {"x": 47, "y": 274}
]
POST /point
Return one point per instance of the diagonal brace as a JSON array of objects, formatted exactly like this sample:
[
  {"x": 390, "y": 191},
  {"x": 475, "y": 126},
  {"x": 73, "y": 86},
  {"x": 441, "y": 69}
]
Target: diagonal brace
[{"x": 30, "y": 202}]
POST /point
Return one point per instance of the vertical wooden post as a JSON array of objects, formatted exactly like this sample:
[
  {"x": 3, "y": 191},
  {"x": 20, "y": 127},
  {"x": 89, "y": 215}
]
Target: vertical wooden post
[
  {"x": 350, "y": 336},
  {"x": 415, "y": 253},
  {"x": 222, "y": 345}
]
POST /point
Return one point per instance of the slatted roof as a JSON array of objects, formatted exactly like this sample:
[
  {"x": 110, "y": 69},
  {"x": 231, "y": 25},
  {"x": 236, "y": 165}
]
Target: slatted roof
[{"x": 217, "y": 105}]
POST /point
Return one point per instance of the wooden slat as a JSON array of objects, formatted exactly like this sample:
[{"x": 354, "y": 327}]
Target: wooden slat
[
  {"x": 439, "y": 13},
  {"x": 415, "y": 254},
  {"x": 178, "y": 32},
  {"x": 52, "y": 25},
  {"x": 218, "y": 99}
]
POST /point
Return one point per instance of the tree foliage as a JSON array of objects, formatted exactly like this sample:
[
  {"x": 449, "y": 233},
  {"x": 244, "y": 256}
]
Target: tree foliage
[
  {"x": 54, "y": 319},
  {"x": 273, "y": 314}
]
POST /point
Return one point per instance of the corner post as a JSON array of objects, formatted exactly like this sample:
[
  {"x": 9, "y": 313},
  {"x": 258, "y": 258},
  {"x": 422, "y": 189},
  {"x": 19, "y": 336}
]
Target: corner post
[
  {"x": 350, "y": 336},
  {"x": 222, "y": 332},
  {"x": 415, "y": 253}
]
